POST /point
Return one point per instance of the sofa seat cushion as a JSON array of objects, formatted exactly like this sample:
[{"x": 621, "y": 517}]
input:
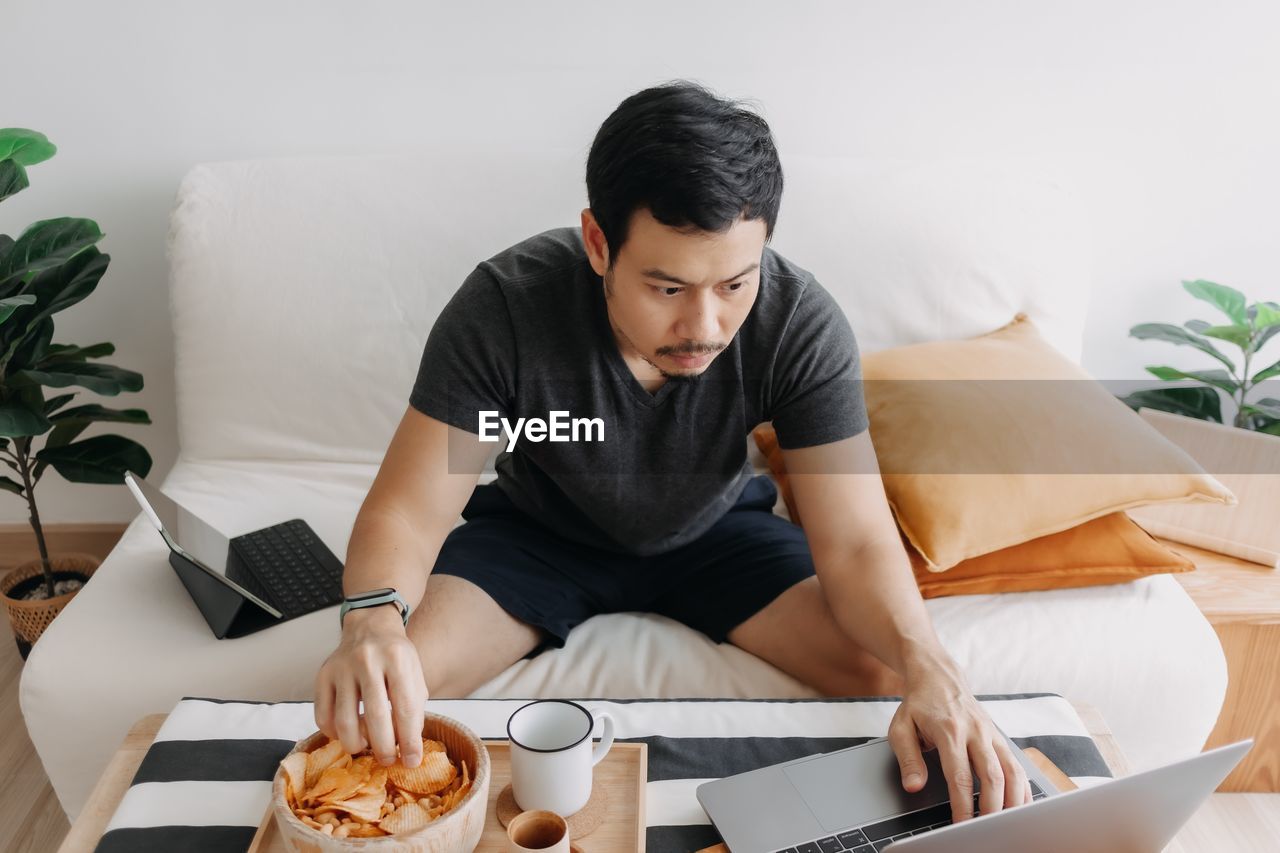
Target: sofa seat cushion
[{"x": 132, "y": 642}]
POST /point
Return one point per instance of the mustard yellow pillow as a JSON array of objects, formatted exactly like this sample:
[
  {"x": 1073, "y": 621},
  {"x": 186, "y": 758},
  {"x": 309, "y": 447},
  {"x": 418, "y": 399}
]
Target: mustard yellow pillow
[
  {"x": 1106, "y": 550},
  {"x": 996, "y": 440}
]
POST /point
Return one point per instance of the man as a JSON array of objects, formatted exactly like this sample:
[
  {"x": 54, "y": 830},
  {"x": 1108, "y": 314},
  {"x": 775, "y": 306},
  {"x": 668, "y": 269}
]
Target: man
[{"x": 667, "y": 321}]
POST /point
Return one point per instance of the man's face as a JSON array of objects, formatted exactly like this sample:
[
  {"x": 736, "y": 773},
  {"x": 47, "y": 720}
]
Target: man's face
[{"x": 676, "y": 300}]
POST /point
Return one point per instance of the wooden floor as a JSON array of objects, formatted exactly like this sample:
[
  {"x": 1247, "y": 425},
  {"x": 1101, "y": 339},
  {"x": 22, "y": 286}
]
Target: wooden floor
[
  {"x": 32, "y": 820},
  {"x": 30, "y": 817}
]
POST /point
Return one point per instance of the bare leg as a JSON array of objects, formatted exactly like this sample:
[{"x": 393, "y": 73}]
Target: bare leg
[
  {"x": 464, "y": 637},
  {"x": 798, "y": 634}
]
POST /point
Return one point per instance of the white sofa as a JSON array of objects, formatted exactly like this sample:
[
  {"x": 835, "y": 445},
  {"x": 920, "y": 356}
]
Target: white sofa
[{"x": 302, "y": 291}]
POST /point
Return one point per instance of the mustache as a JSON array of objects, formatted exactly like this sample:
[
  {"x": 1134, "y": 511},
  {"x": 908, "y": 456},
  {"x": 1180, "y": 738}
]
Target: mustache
[{"x": 688, "y": 352}]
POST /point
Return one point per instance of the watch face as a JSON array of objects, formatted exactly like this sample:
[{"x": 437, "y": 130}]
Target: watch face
[{"x": 364, "y": 596}]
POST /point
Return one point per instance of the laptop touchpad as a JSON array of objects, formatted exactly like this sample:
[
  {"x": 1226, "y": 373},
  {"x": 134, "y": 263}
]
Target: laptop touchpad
[{"x": 861, "y": 785}]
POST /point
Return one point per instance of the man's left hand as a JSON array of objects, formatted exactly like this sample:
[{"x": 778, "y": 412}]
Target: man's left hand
[{"x": 938, "y": 710}]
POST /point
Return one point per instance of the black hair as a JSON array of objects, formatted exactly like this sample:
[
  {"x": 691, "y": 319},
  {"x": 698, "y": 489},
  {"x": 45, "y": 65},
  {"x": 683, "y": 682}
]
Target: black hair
[{"x": 696, "y": 161}]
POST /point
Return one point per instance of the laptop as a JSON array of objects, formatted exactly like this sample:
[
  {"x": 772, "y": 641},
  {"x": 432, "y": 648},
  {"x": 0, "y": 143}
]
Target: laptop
[
  {"x": 853, "y": 800},
  {"x": 244, "y": 583}
]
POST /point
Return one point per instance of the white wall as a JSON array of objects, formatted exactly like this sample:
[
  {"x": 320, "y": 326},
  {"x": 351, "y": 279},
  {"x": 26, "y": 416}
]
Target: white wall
[{"x": 1165, "y": 113}]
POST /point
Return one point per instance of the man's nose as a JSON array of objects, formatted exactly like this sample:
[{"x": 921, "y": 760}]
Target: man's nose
[{"x": 700, "y": 322}]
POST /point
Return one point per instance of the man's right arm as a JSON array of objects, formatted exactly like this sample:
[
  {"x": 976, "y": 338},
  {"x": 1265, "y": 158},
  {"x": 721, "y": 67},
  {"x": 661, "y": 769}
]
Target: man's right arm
[{"x": 429, "y": 472}]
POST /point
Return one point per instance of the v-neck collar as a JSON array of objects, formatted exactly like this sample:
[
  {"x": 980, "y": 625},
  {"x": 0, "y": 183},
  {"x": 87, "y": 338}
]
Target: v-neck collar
[{"x": 613, "y": 355}]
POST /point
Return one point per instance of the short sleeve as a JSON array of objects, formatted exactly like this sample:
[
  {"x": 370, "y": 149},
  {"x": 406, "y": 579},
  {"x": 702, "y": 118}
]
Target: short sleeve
[
  {"x": 817, "y": 376},
  {"x": 468, "y": 362}
]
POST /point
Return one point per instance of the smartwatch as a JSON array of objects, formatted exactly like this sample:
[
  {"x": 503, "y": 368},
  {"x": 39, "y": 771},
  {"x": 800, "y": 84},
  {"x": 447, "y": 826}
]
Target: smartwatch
[{"x": 374, "y": 598}]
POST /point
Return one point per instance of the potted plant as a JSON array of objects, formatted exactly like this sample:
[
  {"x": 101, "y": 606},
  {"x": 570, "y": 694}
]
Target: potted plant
[
  {"x": 1250, "y": 327},
  {"x": 1245, "y": 454},
  {"x": 51, "y": 266}
]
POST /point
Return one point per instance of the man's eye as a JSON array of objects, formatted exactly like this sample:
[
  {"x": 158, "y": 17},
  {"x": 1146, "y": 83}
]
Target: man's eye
[{"x": 664, "y": 290}]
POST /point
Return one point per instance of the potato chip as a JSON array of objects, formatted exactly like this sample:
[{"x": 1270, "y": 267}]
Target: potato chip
[
  {"x": 433, "y": 774},
  {"x": 295, "y": 774},
  {"x": 332, "y": 778},
  {"x": 366, "y": 807},
  {"x": 407, "y": 818},
  {"x": 321, "y": 758}
]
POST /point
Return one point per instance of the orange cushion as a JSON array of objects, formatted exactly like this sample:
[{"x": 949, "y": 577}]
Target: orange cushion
[
  {"x": 1105, "y": 550},
  {"x": 973, "y": 462}
]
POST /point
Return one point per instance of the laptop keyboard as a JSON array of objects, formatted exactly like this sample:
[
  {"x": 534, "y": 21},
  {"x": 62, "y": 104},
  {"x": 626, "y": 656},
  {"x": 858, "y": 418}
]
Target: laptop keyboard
[
  {"x": 286, "y": 559},
  {"x": 874, "y": 837}
]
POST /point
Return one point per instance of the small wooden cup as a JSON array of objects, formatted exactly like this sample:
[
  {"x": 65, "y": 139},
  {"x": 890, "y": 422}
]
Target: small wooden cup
[
  {"x": 534, "y": 831},
  {"x": 457, "y": 831}
]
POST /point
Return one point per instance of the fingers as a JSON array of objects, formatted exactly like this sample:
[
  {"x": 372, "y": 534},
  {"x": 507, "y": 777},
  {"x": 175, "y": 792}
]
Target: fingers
[
  {"x": 324, "y": 703},
  {"x": 377, "y": 718},
  {"x": 345, "y": 716},
  {"x": 408, "y": 691},
  {"x": 988, "y": 767},
  {"x": 906, "y": 746},
  {"x": 955, "y": 766},
  {"x": 1016, "y": 785}
]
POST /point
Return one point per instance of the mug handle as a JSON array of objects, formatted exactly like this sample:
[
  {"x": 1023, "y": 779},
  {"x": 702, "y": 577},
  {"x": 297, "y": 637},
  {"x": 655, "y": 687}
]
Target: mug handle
[{"x": 606, "y": 737}]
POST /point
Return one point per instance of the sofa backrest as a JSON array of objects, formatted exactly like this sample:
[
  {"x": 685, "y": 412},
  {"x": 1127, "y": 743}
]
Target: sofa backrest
[{"x": 303, "y": 289}]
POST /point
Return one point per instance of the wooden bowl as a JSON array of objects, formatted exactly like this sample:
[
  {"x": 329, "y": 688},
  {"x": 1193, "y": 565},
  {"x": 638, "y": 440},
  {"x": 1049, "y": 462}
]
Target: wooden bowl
[{"x": 457, "y": 831}]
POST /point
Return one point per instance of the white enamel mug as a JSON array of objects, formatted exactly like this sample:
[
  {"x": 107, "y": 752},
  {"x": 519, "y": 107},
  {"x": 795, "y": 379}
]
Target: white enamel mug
[{"x": 551, "y": 754}]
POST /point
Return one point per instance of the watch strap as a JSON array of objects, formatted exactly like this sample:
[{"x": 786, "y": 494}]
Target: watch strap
[{"x": 391, "y": 597}]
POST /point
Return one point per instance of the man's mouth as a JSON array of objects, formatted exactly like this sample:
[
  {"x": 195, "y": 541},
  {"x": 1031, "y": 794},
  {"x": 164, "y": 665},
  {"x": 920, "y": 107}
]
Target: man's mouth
[{"x": 691, "y": 360}]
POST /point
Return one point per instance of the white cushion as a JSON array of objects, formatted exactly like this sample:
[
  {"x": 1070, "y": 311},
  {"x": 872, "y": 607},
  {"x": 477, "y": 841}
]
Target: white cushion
[{"x": 132, "y": 643}]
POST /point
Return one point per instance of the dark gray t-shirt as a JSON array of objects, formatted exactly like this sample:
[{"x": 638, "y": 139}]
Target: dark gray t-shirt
[{"x": 528, "y": 333}]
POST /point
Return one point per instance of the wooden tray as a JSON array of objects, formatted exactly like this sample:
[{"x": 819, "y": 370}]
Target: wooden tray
[{"x": 624, "y": 772}]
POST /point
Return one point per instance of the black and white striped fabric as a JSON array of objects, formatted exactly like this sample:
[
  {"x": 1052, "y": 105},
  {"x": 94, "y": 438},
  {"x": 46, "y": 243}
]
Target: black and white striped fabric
[{"x": 205, "y": 783}]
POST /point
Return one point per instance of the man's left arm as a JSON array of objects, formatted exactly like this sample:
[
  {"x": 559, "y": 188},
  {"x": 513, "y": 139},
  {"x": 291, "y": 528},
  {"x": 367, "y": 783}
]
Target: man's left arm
[{"x": 867, "y": 580}]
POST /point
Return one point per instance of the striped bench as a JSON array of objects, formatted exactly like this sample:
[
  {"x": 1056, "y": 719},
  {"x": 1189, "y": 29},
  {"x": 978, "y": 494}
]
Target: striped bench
[{"x": 204, "y": 783}]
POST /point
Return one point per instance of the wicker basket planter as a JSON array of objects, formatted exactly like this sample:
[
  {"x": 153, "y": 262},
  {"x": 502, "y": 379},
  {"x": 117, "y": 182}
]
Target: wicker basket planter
[{"x": 29, "y": 618}]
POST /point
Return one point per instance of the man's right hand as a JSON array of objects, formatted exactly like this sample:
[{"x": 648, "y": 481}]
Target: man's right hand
[{"x": 375, "y": 663}]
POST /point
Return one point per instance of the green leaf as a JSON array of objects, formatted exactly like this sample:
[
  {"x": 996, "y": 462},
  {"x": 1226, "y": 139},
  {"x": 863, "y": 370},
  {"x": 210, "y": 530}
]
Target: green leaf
[
  {"x": 31, "y": 348},
  {"x": 1176, "y": 335},
  {"x": 45, "y": 244},
  {"x": 13, "y": 178},
  {"x": 1201, "y": 403},
  {"x": 1266, "y": 315},
  {"x": 1271, "y": 428},
  {"x": 53, "y": 403},
  {"x": 64, "y": 352},
  {"x": 1268, "y": 406},
  {"x": 17, "y": 419},
  {"x": 13, "y": 303},
  {"x": 1197, "y": 326},
  {"x": 93, "y": 413},
  {"x": 98, "y": 378},
  {"x": 1226, "y": 299},
  {"x": 28, "y": 147},
  {"x": 55, "y": 289},
  {"x": 1238, "y": 335},
  {"x": 1266, "y": 373},
  {"x": 1216, "y": 378},
  {"x": 10, "y": 486},
  {"x": 101, "y": 459},
  {"x": 69, "y": 424}
]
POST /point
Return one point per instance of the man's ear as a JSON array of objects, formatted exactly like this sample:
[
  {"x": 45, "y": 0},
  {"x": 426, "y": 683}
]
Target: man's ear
[{"x": 593, "y": 239}]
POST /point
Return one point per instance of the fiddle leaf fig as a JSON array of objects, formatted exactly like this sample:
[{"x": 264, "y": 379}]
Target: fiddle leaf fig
[
  {"x": 1251, "y": 326},
  {"x": 52, "y": 265}
]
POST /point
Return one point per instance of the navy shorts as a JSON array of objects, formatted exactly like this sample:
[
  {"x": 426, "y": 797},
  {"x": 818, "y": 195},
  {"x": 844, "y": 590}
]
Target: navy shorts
[{"x": 712, "y": 584}]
